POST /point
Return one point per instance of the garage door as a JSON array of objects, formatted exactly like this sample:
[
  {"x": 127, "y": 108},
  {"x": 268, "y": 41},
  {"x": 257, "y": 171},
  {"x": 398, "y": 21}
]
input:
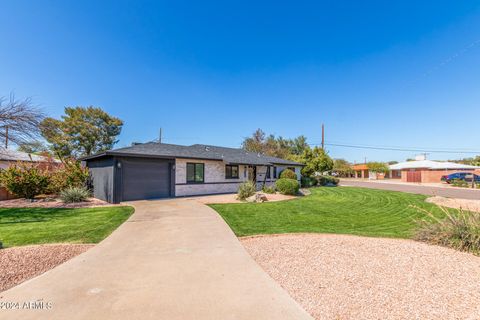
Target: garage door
[{"x": 145, "y": 179}]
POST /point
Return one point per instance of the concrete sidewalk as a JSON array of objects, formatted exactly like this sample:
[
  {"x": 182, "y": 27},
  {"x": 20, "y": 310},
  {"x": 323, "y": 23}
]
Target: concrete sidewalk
[{"x": 173, "y": 259}]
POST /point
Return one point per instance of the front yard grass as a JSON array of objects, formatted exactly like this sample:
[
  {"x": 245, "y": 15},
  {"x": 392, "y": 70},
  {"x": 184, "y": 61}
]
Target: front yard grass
[
  {"x": 26, "y": 226},
  {"x": 344, "y": 210}
]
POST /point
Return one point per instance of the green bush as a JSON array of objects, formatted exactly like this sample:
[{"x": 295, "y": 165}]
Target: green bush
[
  {"x": 24, "y": 180},
  {"x": 308, "y": 182},
  {"x": 460, "y": 183},
  {"x": 269, "y": 190},
  {"x": 327, "y": 180},
  {"x": 74, "y": 194},
  {"x": 287, "y": 186},
  {"x": 288, "y": 174},
  {"x": 245, "y": 190},
  {"x": 458, "y": 229},
  {"x": 70, "y": 174}
]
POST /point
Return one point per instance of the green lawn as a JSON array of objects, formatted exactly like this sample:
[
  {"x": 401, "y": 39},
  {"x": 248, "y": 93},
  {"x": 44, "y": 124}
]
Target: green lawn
[
  {"x": 22, "y": 226},
  {"x": 346, "y": 210}
]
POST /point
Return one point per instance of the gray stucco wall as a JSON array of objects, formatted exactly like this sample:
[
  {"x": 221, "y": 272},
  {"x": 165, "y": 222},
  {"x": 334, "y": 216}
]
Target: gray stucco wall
[{"x": 101, "y": 173}]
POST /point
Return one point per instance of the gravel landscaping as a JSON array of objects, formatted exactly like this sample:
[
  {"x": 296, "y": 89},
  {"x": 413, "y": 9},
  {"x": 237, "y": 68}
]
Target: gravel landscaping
[
  {"x": 52, "y": 203},
  {"x": 466, "y": 204},
  {"x": 22, "y": 263},
  {"x": 351, "y": 277}
]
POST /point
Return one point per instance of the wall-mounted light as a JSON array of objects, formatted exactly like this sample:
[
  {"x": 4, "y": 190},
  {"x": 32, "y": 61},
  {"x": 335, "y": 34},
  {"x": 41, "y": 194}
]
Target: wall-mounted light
[{"x": 119, "y": 165}]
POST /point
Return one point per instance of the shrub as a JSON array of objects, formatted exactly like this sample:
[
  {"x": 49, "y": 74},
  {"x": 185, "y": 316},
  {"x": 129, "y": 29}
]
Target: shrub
[
  {"x": 71, "y": 174},
  {"x": 269, "y": 190},
  {"x": 308, "y": 182},
  {"x": 287, "y": 186},
  {"x": 460, "y": 183},
  {"x": 288, "y": 174},
  {"x": 24, "y": 180},
  {"x": 458, "y": 229},
  {"x": 245, "y": 190},
  {"x": 74, "y": 194},
  {"x": 327, "y": 180}
]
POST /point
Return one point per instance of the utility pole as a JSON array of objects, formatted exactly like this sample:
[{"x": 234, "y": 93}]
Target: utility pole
[
  {"x": 160, "y": 136},
  {"x": 323, "y": 137},
  {"x": 6, "y": 137}
]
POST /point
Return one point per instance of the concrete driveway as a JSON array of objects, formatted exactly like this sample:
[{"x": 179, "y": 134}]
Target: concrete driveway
[
  {"x": 173, "y": 259},
  {"x": 448, "y": 192}
]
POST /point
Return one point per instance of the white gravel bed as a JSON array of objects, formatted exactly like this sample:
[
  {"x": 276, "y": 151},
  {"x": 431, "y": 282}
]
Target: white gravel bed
[
  {"x": 350, "y": 277},
  {"x": 466, "y": 204},
  {"x": 19, "y": 264}
]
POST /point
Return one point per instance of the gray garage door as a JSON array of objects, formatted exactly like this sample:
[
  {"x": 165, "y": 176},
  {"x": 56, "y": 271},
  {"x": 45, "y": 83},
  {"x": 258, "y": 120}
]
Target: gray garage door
[{"x": 145, "y": 179}]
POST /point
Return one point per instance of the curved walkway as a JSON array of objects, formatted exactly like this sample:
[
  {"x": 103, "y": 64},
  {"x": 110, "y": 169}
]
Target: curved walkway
[{"x": 173, "y": 259}]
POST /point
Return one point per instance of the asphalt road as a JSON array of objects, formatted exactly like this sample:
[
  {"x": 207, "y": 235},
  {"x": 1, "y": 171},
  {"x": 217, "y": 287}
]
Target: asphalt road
[{"x": 426, "y": 190}]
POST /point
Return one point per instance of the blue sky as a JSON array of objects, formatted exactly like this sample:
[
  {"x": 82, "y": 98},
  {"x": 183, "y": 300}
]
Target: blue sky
[{"x": 381, "y": 73}]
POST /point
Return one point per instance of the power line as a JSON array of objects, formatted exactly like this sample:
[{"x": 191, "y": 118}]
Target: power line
[{"x": 396, "y": 148}]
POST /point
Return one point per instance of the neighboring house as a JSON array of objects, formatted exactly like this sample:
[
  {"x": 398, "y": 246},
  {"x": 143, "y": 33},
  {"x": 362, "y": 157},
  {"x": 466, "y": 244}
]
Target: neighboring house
[
  {"x": 159, "y": 170},
  {"x": 427, "y": 170},
  {"x": 361, "y": 171},
  {"x": 9, "y": 157}
]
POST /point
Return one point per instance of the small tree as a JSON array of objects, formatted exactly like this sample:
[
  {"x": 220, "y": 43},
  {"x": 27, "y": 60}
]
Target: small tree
[
  {"x": 315, "y": 160},
  {"x": 24, "y": 180},
  {"x": 342, "y": 167},
  {"x": 378, "y": 167}
]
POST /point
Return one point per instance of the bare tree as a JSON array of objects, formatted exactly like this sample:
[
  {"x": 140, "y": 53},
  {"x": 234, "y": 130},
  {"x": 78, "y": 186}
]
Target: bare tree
[{"x": 19, "y": 120}]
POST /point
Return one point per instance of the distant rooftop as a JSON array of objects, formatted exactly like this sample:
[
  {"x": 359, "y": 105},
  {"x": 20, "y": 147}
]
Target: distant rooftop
[
  {"x": 14, "y": 155},
  {"x": 430, "y": 164}
]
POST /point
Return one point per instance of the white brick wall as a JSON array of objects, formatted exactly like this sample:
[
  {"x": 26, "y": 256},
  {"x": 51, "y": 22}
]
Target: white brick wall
[{"x": 215, "y": 181}]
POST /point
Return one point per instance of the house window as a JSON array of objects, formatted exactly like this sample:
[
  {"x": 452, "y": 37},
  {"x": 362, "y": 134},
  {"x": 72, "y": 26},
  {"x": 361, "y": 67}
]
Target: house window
[
  {"x": 268, "y": 172},
  {"x": 231, "y": 172},
  {"x": 275, "y": 172},
  {"x": 195, "y": 172}
]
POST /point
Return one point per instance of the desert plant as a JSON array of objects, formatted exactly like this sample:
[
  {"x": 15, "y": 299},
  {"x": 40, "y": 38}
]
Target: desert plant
[
  {"x": 308, "y": 182},
  {"x": 245, "y": 190},
  {"x": 460, "y": 183},
  {"x": 456, "y": 228},
  {"x": 288, "y": 174},
  {"x": 327, "y": 180},
  {"x": 74, "y": 194},
  {"x": 24, "y": 180},
  {"x": 269, "y": 190},
  {"x": 287, "y": 186}
]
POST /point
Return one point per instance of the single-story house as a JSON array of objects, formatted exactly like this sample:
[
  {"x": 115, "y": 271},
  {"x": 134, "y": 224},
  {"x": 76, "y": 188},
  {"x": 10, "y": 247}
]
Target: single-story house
[
  {"x": 427, "y": 170},
  {"x": 361, "y": 171},
  {"x": 160, "y": 170}
]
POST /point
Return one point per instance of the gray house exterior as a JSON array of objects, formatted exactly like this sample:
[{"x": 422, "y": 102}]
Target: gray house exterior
[{"x": 159, "y": 170}]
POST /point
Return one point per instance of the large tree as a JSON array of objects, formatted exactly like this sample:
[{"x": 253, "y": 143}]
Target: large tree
[
  {"x": 81, "y": 131},
  {"x": 274, "y": 146},
  {"x": 19, "y": 120}
]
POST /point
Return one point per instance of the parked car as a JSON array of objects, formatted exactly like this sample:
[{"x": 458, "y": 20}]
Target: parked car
[{"x": 465, "y": 176}]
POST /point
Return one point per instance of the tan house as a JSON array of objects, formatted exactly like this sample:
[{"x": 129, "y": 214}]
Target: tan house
[{"x": 427, "y": 171}]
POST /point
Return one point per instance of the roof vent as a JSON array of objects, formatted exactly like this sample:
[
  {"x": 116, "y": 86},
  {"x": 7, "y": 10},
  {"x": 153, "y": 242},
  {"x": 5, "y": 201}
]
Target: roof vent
[
  {"x": 136, "y": 143},
  {"x": 206, "y": 148}
]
